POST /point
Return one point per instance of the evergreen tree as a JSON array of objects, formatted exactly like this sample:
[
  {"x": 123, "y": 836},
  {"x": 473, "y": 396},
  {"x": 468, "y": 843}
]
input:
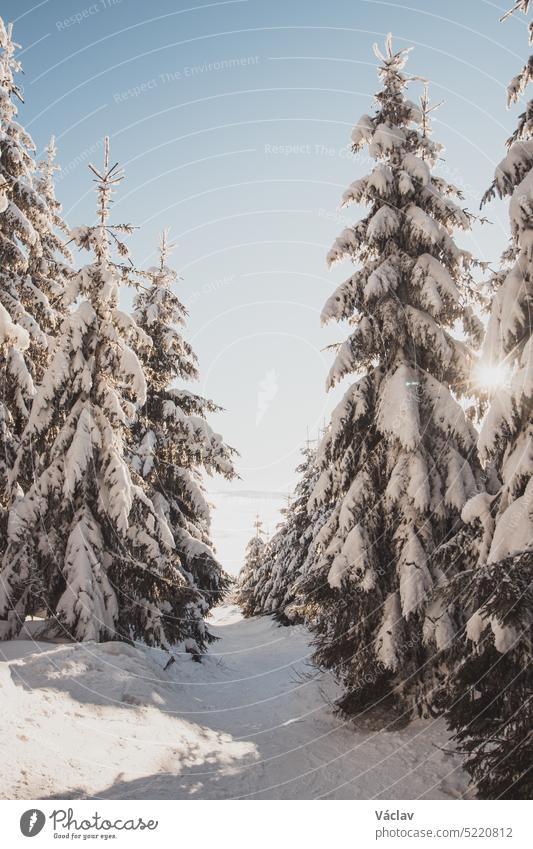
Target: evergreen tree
[
  {"x": 250, "y": 574},
  {"x": 20, "y": 207},
  {"x": 173, "y": 442},
  {"x": 398, "y": 461},
  {"x": 271, "y": 578},
  {"x": 289, "y": 550},
  {"x": 263, "y": 578},
  {"x": 85, "y": 529},
  {"x": 29, "y": 271},
  {"x": 488, "y": 693}
]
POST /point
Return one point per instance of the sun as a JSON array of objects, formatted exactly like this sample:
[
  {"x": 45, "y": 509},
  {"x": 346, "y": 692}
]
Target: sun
[{"x": 491, "y": 376}]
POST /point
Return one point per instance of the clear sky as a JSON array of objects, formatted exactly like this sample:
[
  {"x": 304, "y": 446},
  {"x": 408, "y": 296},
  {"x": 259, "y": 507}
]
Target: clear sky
[{"x": 232, "y": 120}]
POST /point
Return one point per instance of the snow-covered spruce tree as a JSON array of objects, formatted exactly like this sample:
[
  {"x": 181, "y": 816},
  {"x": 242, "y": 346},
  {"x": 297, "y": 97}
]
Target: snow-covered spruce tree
[
  {"x": 32, "y": 266},
  {"x": 110, "y": 571},
  {"x": 250, "y": 576},
  {"x": 263, "y": 578},
  {"x": 398, "y": 461},
  {"x": 172, "y": 441},
  {"x": 20, "y": 208},
  {"x": 272, "y": 586},
  {"x": 489, "y": 691},
  {"x": 288, "y": 553}
]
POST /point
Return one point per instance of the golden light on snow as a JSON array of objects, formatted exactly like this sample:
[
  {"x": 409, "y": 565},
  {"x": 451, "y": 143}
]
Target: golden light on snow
[{"x": 491, "y": 376}]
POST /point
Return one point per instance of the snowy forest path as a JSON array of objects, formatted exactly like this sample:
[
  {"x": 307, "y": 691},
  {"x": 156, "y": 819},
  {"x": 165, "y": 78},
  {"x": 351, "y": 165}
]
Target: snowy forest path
[{"x": 252, "y": 720}]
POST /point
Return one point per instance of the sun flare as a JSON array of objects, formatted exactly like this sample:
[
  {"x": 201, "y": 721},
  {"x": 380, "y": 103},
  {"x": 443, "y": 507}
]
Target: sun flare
[{"x": 491, "y": 376}]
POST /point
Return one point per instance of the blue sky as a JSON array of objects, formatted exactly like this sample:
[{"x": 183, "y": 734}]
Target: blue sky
[{"x": 232, "y": 120}]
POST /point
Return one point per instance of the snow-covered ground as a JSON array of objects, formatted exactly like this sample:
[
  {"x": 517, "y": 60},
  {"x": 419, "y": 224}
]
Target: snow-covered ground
[{"x": 250, "y": 721}]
